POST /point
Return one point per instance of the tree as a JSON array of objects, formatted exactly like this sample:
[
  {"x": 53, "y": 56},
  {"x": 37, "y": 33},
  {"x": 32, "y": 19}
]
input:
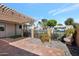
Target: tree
[
  {"x": 51, "y": 23},
  {"x": 69, "y": 21},
  {"x": 43, "y": 23},
  {"x": 44, "y": 20}
]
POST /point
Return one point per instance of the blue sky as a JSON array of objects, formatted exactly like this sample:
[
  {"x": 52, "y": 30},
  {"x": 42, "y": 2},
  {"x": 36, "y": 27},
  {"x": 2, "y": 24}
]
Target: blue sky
[{"x": 57, "y": 11}]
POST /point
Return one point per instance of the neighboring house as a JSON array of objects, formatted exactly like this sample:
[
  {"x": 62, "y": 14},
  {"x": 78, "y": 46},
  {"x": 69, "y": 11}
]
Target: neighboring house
[
  {"x": 60, "y": 28},
  {"x": 63, "y": 27},
  {"x": 12, "y": 23}
]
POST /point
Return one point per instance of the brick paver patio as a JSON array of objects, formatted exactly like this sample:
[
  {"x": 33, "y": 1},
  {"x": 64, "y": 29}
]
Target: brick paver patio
[
  {"x": 8, "y": 50},
  {"x": 37, "y": 49},
  {"x": 25, "y": 47}
]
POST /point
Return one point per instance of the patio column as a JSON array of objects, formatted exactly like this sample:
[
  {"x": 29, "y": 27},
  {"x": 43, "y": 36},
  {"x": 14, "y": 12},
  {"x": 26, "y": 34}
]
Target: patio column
[
  {"x": 32, "y": 32},
  {"x": 22, "y": 31}
]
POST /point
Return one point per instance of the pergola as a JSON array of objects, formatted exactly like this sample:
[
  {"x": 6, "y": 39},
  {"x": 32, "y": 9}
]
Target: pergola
[{"x": 10, "y": 15}]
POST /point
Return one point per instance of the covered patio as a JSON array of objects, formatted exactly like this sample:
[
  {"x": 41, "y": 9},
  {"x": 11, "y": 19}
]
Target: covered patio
[{"x": 12, "y": 22}]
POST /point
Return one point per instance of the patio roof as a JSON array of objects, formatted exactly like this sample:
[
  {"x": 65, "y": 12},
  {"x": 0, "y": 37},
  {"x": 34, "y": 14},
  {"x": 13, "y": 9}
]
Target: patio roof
[{"x": 9, "y": 15}]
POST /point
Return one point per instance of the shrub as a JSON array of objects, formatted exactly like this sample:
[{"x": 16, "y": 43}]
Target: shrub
[
  {"x": 68, "y": 32},
  {"x": 44, "y": 37}
]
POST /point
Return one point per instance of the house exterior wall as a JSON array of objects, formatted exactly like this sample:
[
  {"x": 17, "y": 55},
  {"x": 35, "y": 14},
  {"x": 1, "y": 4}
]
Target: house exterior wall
[
  {"x": 18, "y": 30},
  {"x": 2, "y": 33},
  {"x": 10, "y": 30}
]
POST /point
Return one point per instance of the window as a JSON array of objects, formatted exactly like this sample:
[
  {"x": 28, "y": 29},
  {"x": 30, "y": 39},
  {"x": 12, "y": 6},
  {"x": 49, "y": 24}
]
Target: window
[
  {"x": 2, "y": 26},
  {"x": 20, "y": 26}
]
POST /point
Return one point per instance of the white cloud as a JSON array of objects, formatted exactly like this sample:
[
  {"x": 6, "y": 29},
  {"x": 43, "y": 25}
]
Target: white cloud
[
  {"x": 70, "y": 8},
  {"x": 52, "y": 11}
]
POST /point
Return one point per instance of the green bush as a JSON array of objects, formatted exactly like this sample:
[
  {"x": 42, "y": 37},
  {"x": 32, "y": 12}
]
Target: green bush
[
  {"x": 44, "y": 37},
  {"x": 68, "y": 32}
]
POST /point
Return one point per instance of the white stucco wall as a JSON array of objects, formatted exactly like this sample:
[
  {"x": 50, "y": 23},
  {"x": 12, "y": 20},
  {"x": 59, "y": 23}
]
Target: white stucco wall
[
  {"x": 18, "y": 30},
  {"x": 2, "y": 33},
  {"x": 10, "y": 30}
]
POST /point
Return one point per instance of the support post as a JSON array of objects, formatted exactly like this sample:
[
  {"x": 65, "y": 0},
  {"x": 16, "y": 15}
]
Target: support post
[
  {"x": 32, "y": 32},
  {"x": 22, "y": 31}
]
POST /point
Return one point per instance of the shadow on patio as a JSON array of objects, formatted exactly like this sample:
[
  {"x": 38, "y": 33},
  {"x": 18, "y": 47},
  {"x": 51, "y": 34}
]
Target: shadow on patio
[{"x": 8, "y": 50}]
